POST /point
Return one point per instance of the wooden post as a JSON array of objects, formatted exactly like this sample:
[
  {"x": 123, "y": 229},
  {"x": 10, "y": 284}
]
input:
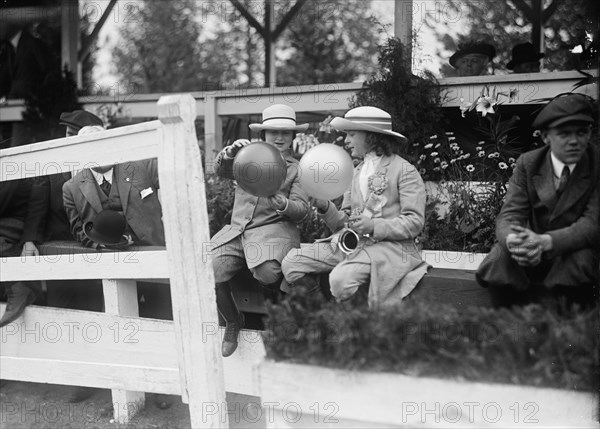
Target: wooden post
[
  {"x": 70, "y": 38},
  {"x": 120, "y": 297},
  {"x": 270, "y": 72},
  {"x": 403, "y": 11},
  {"x": 192, "y": 282},
  {"x": 213, "y": 133}
]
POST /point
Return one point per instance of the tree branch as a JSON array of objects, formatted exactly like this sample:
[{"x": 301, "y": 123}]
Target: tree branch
[
  {"x": 251, "y": 20},
  {"x": 287, "y": 18},
  {"x": 549, "y": 11},
  {"x": 525, "y": 8},
  {"x": 89, "y": 40}
]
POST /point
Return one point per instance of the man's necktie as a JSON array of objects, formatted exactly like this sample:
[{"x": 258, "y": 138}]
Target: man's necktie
[
  {"x": 562, "y": 182},
  {"x": 105, "y": 186}
]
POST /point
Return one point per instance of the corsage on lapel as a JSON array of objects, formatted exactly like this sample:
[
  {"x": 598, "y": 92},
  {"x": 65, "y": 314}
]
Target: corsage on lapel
[{"x": 377, "y": 184}]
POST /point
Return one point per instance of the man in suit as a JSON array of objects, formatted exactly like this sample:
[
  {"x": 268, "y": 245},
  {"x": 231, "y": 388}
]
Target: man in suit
[
  {"x": 547, "y": 230},
  {"x": 130, "y": 188}
]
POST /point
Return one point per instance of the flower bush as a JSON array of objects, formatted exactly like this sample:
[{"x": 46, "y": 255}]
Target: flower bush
[{"x": 462, "y": 209}]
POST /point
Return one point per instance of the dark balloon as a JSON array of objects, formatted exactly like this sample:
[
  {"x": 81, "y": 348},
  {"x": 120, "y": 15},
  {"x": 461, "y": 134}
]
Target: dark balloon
[{"x": 259, "y": 169}]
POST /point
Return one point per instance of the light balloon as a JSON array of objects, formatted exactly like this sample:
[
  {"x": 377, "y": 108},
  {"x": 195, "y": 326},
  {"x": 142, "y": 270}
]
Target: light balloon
[
  {"x": 326, "y": 171},
  {"x": 259, "y": 169}
]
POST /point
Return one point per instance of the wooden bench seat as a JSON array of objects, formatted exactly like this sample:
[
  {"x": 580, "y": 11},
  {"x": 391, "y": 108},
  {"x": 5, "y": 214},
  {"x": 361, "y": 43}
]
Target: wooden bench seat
[{"x": 456, "y": 287}]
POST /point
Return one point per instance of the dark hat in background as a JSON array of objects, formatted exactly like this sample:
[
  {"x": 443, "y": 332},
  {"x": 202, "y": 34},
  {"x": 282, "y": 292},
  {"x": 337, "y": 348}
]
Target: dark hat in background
[
  {"x": 78, "y": 119},
  {"x": 523, "y": 53},
  {"x": 107, "y": 228},
  {"x": 564, "y": 109},
  {"x": 473, "y": 48}
]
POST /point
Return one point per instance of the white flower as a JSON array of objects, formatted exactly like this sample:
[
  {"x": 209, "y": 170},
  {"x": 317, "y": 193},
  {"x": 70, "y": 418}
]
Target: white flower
[
  {"x": 436, "y": 161},
  {"x": 434, "y": 154},
  {"x": 537, "y": 133},
  {"x": 428, "y": 146},
  {"x": 494, "y": 155},
  {"x": 438, "y": 145},
  {"x": 470, "y": 168},
  {"x": 444, "y": 165},
  {"x": 502, "y": 165},
  {"x": 485, "y": 105},
  {"x": 422, "y": 171},
  {"x": 511, "y": 160},
  {"x": 481, "y": 154},
  {"x": 422, "y": 157}
]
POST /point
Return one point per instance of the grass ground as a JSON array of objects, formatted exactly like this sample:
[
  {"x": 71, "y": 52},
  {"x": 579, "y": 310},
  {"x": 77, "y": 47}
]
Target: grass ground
[{"x": 43, "y": 406}]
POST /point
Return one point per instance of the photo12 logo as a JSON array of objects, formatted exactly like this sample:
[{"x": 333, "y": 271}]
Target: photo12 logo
[{"x": 270, "y": 412}]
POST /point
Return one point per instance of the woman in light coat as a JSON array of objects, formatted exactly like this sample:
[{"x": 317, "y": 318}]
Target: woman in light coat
[{"x": 385, "y": 206}]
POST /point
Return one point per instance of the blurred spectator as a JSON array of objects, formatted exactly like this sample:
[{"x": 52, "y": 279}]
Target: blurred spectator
[
  {"x": 472, "y": 59},
  {"x": 525, "y": 59},
  {"x": 14, "y": 211},
  {"x": 26, "y": 65}
]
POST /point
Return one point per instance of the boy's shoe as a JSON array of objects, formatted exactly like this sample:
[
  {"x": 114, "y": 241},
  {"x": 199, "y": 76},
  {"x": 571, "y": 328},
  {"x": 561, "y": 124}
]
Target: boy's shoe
[
  {"x": 230, "y": 339},
  {"x": 19, "y": 297}
]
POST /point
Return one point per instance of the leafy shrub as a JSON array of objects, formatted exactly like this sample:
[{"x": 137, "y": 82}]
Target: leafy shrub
[
  {"x": 219, "y": 202},
  {"x": 532, "y": 345},
  {"x": 468, "y": 222}
]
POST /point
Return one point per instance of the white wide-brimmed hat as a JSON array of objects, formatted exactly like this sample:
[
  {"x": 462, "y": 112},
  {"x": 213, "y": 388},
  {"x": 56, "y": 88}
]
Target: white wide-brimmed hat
[
  {"x": 366, "y": 118},
  {"x": 278, "y": 117}
]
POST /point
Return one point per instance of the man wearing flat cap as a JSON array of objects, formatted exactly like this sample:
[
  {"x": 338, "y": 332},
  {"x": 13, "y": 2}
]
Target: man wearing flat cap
[{"x": 547, "y": 230}]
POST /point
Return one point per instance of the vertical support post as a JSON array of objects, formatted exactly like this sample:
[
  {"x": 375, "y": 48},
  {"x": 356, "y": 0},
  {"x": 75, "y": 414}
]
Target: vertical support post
[
  {"x": 403, "y": 20},
  {"x": 70, "y": 38},
  {"x": 537, "y": 27},
  {"x": 120, "y": 297},
  {"x": 270, "y": 73},
  {"x": 213, "y": 132},
  {"x": 192, "y": 280}
]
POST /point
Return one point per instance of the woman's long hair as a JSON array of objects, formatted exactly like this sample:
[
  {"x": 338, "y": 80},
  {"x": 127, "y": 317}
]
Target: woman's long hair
[{"x": 382, "y": 144}]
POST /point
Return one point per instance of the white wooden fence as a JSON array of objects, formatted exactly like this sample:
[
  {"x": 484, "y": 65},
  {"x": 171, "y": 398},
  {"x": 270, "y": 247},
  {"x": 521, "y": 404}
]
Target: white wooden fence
[{"x": 117, "y": 349}]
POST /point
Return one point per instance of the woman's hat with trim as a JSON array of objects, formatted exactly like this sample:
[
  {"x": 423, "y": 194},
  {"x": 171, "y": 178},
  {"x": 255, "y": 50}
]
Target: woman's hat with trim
[
  {"x": 278, "y": 117},
  {"x": 366, "y": 118},
  {"x": 107, "y": 228}
]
